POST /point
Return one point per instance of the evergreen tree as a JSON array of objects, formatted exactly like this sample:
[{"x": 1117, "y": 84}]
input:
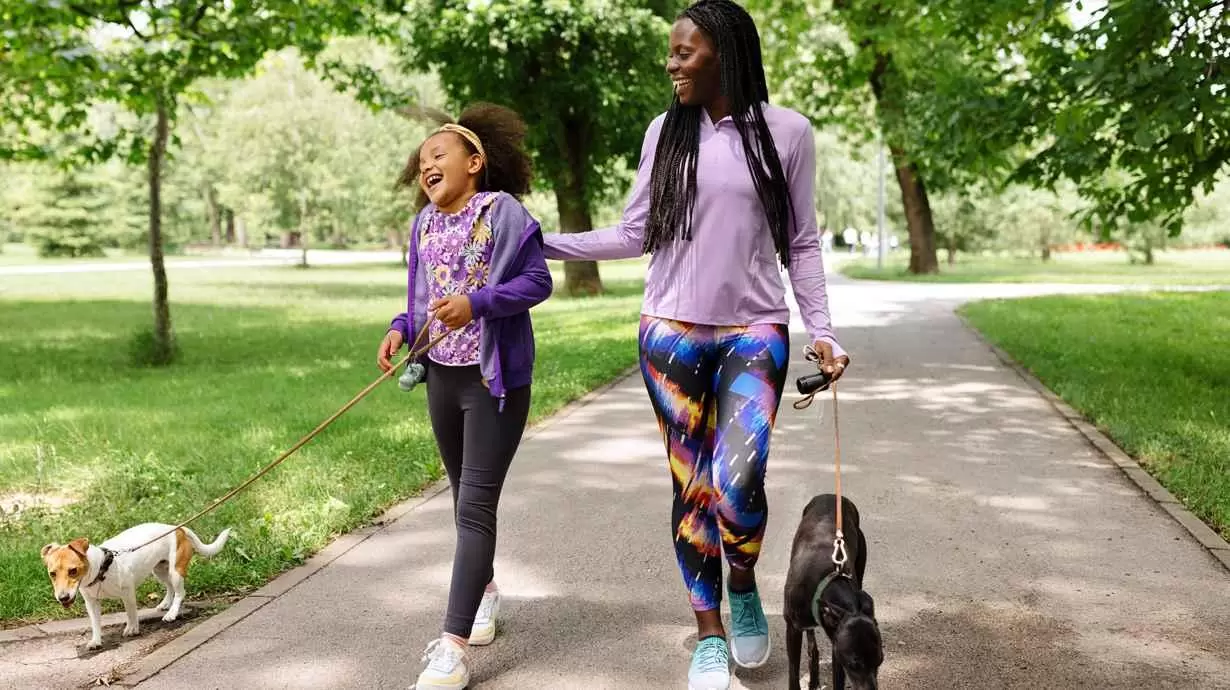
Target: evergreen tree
[{"x": 65, "y": 213}]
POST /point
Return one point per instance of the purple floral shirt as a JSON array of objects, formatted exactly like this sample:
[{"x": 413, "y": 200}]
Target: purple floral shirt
[{"x": 456, "y": 248}]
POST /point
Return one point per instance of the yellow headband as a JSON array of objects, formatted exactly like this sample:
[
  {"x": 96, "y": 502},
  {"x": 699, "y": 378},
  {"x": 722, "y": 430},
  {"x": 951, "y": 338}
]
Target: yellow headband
[{"x": 468, "y": 135}]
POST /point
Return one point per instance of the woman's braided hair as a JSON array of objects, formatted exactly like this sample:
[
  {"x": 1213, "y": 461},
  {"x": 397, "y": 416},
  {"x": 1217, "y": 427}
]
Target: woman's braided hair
[{"x": 673, "y": 180}]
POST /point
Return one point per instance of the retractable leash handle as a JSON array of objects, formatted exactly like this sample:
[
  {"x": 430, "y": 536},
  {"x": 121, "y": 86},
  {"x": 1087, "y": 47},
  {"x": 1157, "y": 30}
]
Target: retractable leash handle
[
  {"x": 811, "y": 384},
  {"x": 415, "y": 372}
]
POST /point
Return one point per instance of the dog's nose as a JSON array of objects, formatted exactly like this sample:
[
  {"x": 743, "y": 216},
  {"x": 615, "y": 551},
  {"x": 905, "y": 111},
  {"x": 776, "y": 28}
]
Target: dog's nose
[{"x": 64, "y": 598}]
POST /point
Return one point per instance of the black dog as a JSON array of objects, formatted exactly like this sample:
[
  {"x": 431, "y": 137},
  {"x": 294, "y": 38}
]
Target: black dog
[{"x": 816, "y": 590}]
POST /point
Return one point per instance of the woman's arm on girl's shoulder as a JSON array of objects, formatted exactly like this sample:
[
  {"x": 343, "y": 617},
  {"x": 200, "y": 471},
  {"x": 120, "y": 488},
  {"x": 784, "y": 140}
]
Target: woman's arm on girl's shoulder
[
  {"x": 529, "y": 281},
  {"x": 626, "y": 240},
  {"x": 806, "y": 260}
]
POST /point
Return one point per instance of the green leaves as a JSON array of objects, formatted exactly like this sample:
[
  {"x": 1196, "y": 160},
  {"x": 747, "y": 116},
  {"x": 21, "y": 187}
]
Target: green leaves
[
  {"x": 62, "y": 60},
  {"x": 1131, "y": 106},
  {"x": 1141, "y": 92},
  {"x": 587, "y": 76}
]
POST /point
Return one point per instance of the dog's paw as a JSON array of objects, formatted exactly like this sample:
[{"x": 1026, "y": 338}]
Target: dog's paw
[
  {"x": 163, "y": 605},
  {"x": 170, "y": 617},
  {"x": 131, "y": 630},
  {"x": 93, "y": 644}
]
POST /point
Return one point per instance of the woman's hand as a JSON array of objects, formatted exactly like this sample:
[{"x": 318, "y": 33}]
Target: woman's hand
[
  {"x": 388, "y": 347},
  {"x": 453, "y": 311},
  {"x": 834, "y": 367}
]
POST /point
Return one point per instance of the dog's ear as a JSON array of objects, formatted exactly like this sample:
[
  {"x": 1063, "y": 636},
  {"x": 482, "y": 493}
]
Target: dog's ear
[
  {"x": 48, "y": 549},
  {"x": 866, "y": 604},
  {"x": 79, "y": 546}
]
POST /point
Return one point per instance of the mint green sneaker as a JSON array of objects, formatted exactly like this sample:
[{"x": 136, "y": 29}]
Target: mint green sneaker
[
  {"x": 749, "y": 639},
  {"x": 710, "y": 665}
]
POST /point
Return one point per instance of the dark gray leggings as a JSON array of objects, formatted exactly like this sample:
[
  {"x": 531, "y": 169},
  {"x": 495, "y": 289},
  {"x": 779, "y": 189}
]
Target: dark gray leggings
[{"x": 477, "y": 443}]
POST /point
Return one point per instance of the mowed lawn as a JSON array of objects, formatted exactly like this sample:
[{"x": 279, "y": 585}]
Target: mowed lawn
[
  {"x": 17, "y": 254},
  {"x": 1151, "y": 370},
  {"x": 1210, "y": 267},
  {"x": 90, "y": 444}
]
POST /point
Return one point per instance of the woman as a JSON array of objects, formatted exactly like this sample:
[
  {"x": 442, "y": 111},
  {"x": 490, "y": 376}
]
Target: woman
[{"x": 723, "y": 194}]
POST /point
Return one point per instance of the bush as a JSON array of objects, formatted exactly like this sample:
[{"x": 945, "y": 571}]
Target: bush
[{"x": 69, "y": 245}]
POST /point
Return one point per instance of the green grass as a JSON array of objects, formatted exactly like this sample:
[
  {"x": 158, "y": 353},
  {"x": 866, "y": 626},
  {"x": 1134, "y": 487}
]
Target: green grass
[
  {"x": 1152, "y": 371},
  {"x": 17, "y": 254},
  {"x": 1171, "y": 268},
  {"x": 266, "y": 355}
]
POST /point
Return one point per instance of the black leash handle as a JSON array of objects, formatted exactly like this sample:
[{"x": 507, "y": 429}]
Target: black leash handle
[{"x": 811, "y": 384}]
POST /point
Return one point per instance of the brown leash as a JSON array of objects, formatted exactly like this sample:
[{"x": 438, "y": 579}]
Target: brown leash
[
  {"x": 839, "y": 544},
  {"x": 811, "y": 383},
  {"x": 412, "y": 354}
]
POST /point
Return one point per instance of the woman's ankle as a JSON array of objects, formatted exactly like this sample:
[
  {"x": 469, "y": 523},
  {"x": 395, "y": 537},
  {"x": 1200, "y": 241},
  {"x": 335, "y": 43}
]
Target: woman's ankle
[
  {"x": 741, "y": 580},
  {"x": 709, "y": 624},
  {"x": 462, "y": 642}
]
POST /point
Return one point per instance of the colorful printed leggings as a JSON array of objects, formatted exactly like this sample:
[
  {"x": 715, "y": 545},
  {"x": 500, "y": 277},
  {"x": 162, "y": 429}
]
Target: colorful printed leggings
[{"x": 716, "y": 390}]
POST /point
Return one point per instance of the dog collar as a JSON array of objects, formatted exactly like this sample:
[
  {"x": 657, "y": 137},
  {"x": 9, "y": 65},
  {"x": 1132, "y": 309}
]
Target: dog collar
[
  {"x": 824, "y": 584},
  {"x": 108, "y": 558}
]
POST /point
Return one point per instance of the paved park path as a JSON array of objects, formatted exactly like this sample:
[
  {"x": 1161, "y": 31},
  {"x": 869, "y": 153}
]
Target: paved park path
[{"x": 1005, "y": 551}]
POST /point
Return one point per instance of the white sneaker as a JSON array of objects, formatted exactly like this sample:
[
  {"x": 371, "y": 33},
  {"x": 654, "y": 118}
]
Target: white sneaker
[
  {"x": 710, "y": 665},
  {"x": 483, "y": 632},
  {"x": 446, "y": 667}
]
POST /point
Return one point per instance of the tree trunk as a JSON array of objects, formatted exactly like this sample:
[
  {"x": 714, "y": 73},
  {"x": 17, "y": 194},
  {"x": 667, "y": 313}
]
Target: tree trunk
[
  {"x": 212, "y": 212},
  {"x": 918, "y": 218},
  {"x": 952, "y": 253},
  {"x": 580, "y": 277},
  {"x": 303, "y": 232},
  {"x": 241, "y": 231},
  {"x": 163, "y": 340},
  {"x": 230, "y": 226},
  {"x": 1046, "y": 252},
  {"x": 394, "y": 238},
  {"x": 338, "y": 240}
]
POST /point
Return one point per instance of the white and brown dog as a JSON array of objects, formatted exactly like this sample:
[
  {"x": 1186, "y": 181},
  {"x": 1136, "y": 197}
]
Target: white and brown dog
[{"x": 107, "y": 570}]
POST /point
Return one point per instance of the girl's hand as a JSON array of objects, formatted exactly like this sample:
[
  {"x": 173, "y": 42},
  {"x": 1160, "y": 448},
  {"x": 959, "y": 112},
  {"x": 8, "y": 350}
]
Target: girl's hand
[
  {"x": 835, "y": 367},
  {"x": 388, "y": 347},
  {"x": 453, "y": 311}
]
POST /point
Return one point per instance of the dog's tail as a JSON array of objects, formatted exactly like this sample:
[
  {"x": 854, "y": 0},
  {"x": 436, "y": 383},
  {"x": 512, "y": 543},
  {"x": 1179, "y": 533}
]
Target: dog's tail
[{"x": 204, "y": 549}]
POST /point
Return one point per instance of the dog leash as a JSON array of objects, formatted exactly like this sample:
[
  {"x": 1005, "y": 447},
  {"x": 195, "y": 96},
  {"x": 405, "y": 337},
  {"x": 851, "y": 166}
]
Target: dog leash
[
  {"x": 810, "y": 386},
  {"x": 412, "y": 354},
  {"x": 839, "y": 544}
]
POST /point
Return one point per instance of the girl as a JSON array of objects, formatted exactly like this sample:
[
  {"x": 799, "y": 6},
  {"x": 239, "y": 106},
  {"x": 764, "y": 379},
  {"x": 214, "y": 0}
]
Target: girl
[
  {"x": 725, "y": 192},
  {"x": 476, "y": 265}
]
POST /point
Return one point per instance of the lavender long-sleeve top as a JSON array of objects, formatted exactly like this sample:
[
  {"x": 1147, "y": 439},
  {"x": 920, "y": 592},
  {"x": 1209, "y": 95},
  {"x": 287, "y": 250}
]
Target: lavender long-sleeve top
[{"x": 728, "y": 274}]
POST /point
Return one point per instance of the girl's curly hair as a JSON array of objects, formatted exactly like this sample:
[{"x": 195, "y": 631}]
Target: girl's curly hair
[{"x": 502, "y": 133}]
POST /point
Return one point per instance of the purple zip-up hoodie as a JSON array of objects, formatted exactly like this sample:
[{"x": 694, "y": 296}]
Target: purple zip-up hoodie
[{"x": 519, "y": 279}]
